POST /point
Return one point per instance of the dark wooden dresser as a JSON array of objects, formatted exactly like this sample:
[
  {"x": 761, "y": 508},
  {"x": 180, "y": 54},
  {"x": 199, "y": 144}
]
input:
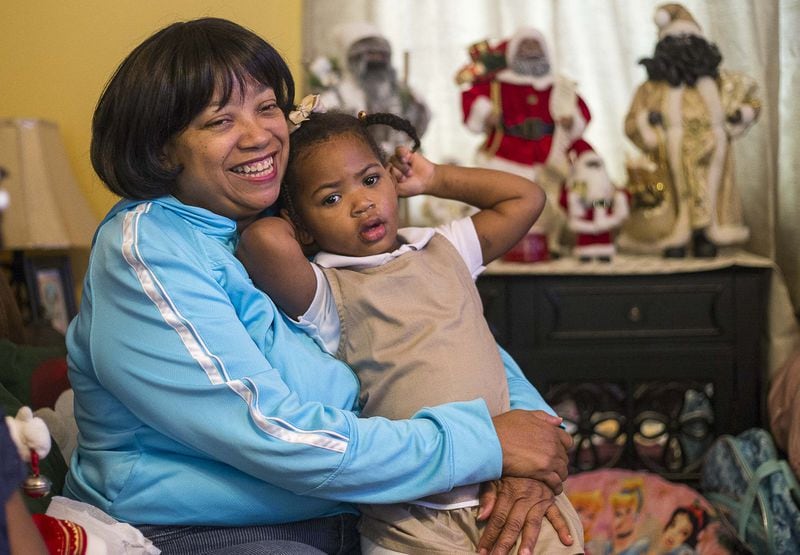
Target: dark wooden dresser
[{"x": 648, "y": 360}]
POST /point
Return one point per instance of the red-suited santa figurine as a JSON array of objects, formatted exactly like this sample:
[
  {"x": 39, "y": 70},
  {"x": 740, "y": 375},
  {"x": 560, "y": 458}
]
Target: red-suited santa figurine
[
  {"x": 530, "y": 117},
  {"x": 595, "y": 207}
]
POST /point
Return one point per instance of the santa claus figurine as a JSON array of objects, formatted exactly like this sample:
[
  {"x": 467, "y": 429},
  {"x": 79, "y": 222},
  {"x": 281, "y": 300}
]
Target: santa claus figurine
[
  {"x": 362, "y": 77},
  {"x": 683, "y": 118},
  {"x": 530, "y": 117},
  {"x": 595, "y": 206}
]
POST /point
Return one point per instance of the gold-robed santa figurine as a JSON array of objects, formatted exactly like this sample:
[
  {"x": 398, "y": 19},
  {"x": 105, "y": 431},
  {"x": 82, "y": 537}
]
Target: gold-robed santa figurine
[{"x": 683, "y": 119}]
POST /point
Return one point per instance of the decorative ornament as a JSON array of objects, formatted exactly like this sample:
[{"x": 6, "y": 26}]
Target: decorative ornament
[
  {"x": 486, "y": 60},
  {"x": 36, "y": 485},
  {"x": 32, "y": 438}
]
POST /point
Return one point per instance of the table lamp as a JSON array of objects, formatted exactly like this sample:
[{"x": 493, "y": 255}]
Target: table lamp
[{"x": 44, "y": 211}]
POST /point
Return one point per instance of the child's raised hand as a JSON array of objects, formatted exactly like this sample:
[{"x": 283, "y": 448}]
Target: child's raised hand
[{"x": 412, "y": 172}]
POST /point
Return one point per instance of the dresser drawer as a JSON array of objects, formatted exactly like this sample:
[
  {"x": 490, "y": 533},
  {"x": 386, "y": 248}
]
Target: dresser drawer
[{"x": 630, "y": 308}]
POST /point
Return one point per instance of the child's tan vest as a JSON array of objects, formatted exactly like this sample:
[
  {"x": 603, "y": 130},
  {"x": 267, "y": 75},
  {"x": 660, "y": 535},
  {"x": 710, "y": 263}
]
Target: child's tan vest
[{"x": 414, "y": 332}]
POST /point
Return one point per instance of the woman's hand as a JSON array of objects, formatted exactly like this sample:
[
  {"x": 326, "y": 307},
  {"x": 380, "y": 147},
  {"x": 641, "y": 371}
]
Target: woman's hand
[
  {"x": 413, "y": 173},
  {"x": 533, "y": 446},
  {"x": 516, "y": 506}
]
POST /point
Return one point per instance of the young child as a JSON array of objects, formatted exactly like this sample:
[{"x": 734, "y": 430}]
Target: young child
[{"x": 399, "y": 305}]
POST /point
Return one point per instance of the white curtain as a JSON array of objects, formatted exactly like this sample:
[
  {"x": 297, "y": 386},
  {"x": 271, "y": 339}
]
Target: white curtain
[{"x": 598, "y": 43}]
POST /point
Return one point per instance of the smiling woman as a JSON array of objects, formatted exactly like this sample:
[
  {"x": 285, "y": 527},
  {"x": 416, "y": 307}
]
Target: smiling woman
[
  {"x": 206, "y": 417},
  {"x": 229, "y": 154}
]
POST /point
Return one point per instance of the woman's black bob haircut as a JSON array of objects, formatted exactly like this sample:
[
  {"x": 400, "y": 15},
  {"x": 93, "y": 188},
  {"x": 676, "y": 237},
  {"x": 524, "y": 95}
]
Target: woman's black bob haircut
[{"x": 162, "y": 85}]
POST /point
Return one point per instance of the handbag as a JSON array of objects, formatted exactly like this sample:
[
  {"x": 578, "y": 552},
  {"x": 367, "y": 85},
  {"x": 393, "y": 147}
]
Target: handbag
[{"x": 754, "y": 490}]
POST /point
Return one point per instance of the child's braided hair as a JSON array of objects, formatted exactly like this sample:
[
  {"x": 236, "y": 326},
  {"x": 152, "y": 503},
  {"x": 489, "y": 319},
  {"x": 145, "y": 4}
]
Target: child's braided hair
[{"x": 324, "y": 126}]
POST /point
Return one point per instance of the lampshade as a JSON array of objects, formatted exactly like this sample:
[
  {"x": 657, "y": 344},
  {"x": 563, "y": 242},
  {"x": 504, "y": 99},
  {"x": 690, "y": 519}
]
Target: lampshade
[{"x": 46, "y": 209}]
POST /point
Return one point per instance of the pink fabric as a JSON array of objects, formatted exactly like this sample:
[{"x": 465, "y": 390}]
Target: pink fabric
[
  {"x": 784, "y": 410},
  {"x": 624, "y": 511}
]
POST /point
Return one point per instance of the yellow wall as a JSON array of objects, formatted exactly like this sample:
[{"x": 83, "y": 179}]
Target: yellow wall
[{"x": 56, "y": 56}]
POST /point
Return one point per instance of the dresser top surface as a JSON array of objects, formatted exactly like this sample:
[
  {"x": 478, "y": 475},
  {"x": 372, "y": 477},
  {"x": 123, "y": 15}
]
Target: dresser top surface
[{"x": 630, "y": 264}]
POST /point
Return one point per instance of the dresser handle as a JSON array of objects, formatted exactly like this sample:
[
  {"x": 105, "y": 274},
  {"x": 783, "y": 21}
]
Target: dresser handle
[{"x": 635, "y": 314}]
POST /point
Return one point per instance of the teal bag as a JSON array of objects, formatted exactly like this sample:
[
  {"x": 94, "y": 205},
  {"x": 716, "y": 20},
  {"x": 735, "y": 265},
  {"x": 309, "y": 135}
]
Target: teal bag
[{"x": 755, "y": 491}]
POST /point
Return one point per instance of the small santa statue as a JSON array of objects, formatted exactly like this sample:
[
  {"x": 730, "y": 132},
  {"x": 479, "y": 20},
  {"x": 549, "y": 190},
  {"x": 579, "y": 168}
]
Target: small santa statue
[{"x": 595, "y": 206}]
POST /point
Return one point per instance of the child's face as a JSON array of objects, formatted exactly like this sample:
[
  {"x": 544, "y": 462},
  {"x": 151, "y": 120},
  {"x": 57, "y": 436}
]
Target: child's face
[
  {"x": 677, "y": 531},
  {"x": 346, "y": 199},
  {"x": 624, "y": 520}
]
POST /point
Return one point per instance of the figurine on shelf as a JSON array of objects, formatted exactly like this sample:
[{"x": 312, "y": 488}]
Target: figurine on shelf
[
  {"x": 530, "y": 117},
  {"x": 362, "y": 77},
  {"x": 595, "y": 206},
  {"x": 683, "y": 119}
]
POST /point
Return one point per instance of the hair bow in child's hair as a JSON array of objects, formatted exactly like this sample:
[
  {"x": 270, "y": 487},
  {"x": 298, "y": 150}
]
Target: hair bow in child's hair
[{"x": 311, "y": 103}]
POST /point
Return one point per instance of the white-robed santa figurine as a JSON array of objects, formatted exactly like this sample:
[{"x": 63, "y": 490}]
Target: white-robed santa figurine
[
  {"x": 530, "y": 117},
  {"x": 595, "y": 206},
  {"x": 361, "y": 77},
  {"x": 684, "y": 118}
]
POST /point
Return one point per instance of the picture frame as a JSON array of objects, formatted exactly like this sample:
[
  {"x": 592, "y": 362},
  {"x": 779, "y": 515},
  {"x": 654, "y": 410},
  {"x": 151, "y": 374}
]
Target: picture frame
[{"x": 51, "y": 294}]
